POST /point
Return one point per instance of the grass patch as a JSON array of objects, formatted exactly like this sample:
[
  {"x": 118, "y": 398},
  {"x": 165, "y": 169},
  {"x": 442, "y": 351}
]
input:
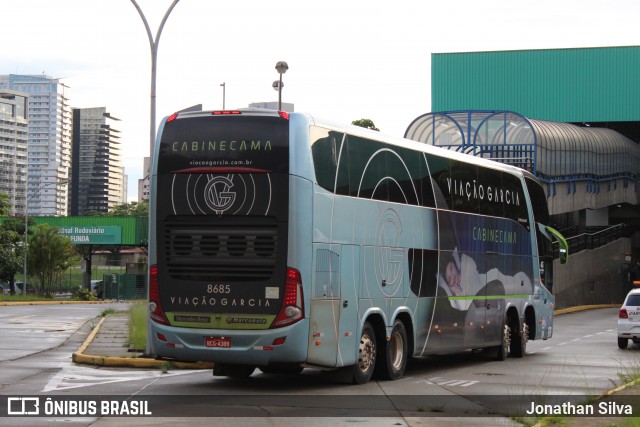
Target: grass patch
[
  {"x": 107, "y": 312},
  {"x": 138, "y": 326},
  {"x": 21, "y": 298}
]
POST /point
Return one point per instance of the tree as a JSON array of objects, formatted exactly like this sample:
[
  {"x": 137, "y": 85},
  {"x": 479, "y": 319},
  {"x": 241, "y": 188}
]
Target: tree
[
  {"x": 11, "y": 256},
  {"x": 5, "y": 204},
  {"x": 124, "y": 209},
  {"x": 130, "y": 209},
  {"x": 365, "y": 123},
  {"x": 50, "y": 254},
  {"x": 12, "y": 249}
]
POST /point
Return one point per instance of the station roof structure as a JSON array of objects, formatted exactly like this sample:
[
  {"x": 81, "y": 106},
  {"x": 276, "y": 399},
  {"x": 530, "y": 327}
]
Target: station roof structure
[{"x": 553, "y": 151}]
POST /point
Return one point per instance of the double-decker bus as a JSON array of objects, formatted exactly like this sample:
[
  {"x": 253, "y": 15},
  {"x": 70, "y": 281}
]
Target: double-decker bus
[{"x": 279, "y": 241}]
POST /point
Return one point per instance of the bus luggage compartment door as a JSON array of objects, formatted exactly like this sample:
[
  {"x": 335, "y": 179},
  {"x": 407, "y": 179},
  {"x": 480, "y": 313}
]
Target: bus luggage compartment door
[{"x": 333, "y": 306}]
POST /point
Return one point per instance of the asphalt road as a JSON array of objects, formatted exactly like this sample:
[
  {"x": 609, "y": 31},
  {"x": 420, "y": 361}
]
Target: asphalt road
[{"x": 581, "y": 359}]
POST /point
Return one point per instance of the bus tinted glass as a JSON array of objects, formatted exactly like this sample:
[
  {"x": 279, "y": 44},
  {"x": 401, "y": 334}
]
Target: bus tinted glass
[{"x": 252, "y": 142}]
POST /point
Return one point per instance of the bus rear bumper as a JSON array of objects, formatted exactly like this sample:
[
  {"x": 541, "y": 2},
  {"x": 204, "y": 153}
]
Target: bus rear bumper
[{"x": 243, "y": 347}]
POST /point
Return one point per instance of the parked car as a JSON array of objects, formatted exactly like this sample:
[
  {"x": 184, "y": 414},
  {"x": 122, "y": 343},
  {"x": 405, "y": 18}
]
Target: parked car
[
  {"x": 629, "y": 319},
  {"x": 30, "y": 289},
  {"x": 4, "y": 288}
]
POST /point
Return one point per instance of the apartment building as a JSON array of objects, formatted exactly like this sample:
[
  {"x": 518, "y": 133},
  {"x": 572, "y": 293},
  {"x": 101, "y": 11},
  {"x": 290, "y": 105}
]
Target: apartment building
[
  {"x": 49, "y": 141},
  {"x": 13, "y": 148}
]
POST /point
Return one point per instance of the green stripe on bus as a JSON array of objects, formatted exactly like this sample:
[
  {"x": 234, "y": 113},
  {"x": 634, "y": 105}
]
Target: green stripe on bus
[{"x": 485, "y": 297}]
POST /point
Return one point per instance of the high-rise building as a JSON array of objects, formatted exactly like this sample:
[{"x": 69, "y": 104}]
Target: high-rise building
[
  {"x": 97, "y": 177},
  {"x": 13, "y": 149},
  {"x": 143, "y": 184},
  {"x": 49, "y": 141}
]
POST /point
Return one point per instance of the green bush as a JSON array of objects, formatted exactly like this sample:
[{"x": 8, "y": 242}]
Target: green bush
[{"x": 83, "y": 295}]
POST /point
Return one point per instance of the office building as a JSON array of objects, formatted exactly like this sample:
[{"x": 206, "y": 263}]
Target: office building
[{"x": 97, "y": 177}]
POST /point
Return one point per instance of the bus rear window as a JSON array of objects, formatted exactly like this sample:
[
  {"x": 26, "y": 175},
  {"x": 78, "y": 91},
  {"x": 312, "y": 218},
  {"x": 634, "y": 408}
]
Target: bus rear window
[{"x": 256, "y": 143}]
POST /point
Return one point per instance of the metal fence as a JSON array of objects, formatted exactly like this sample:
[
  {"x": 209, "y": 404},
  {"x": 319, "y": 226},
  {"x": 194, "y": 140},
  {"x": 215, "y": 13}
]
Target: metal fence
[
  {"x": 124, "y": 287},
  {"x": 580, "y": 239}
]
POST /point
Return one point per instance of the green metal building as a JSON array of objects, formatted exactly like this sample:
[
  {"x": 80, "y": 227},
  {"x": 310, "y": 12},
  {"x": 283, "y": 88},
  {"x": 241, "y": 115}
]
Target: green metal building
[{"x": 596, "y": 86}]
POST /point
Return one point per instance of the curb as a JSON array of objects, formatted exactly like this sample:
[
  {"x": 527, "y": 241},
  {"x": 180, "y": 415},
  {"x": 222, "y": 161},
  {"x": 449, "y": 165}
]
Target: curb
[
  {"x": 583, "y": 308},
  {"x": 128, "y": 362},
  {"x": 8, "y": 303}
]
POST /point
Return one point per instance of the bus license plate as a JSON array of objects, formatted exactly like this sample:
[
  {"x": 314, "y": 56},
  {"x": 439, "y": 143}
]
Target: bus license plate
[{"x": 217, "y": 342}]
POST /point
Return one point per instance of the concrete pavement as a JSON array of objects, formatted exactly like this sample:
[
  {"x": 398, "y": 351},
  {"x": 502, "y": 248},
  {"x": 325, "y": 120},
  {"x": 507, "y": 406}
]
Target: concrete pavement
[{"x": 108, "y": 345}]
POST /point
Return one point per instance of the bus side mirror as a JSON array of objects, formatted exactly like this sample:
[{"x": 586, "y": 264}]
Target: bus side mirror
[
  {"x": 564, "y": 246},
  {"x": 563, "y": 255}
]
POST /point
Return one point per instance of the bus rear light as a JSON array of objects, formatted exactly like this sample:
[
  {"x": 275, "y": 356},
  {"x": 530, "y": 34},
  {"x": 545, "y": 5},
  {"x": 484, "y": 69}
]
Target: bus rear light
[
  {"x": 172, "y": 117},
  {"x": 161, "y": 337},
  {"x": 226, "y": 113},
  {"x": 155, "y": 309},
  {"x": 622, "y": 314},
  {"x": 284, "y": 115},
  {"x": 279, "y": 341},
  {"x": 292, "y": 305}
]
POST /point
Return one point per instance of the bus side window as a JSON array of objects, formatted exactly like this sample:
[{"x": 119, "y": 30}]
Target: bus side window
[{"x": 325, "y": 148}]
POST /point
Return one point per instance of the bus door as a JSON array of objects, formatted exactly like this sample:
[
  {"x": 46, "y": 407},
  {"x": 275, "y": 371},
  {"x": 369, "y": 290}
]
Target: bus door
[
  {"x": 544, "y": 294},
  {"x": 333, "y": 316}
]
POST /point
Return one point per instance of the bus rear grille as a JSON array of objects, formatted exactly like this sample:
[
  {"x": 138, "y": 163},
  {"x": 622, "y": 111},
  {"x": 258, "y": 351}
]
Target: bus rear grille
[{"x": 225, "y": 254}]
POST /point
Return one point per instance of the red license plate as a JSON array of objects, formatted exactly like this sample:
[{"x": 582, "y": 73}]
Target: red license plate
[{"x": 217, "y": 342}]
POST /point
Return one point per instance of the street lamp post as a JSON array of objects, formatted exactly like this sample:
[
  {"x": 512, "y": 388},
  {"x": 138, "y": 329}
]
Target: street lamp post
[
  {"x": 26, "y": 228},
  {"x": 282, "y": 68},
  {"x": 224, "y": 86},
  {"x": 153, "y": 44}
]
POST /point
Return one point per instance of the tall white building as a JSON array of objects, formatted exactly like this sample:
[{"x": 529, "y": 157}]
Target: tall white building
[
  {"x": 13, "y": 149},
  {"x": 143, "y": 184},
  {"x": 97, "y": 178},
  {"x": 49, "y": 146}
]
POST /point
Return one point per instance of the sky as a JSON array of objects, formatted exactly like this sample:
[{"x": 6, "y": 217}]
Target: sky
[{"x": 348, "y": 59}]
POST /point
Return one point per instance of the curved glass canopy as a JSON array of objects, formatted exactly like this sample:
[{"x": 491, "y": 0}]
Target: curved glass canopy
[{"x": 554, "y": 152}]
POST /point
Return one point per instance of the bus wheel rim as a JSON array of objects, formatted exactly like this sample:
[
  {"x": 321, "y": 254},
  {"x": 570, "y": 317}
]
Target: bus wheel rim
[
  {"x": 397, "y": 351},
  {"x": 367, "y": 353}
]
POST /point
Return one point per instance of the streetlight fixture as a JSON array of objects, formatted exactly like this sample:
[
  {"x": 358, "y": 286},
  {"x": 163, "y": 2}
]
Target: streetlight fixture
[
  {"x": 281, "y": 68},
  {"x": 63, "y": 181},
  {"x": 153, "y": 44},
  {"x": 224, "y": 86}
]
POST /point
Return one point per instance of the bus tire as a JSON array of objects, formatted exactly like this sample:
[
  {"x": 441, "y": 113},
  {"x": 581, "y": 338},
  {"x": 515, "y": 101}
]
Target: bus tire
[
  {"x": 503, "y": 348},
  {"x": 622, "y": 343},
  {"x": 519, "y": 341},
  {"x": 233, "y": 371},
  {"x": 363, "y": 369},
  {"x": 395, "y": 356}
]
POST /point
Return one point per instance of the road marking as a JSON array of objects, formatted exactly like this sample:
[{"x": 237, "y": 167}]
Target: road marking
[
  {"x": 77, "y": 377},
  {"x": 547, "y": 348},
  {"x": 450, "y": 383},
  {"x": 576, "y": 339},
  {"x": 563, "y": 343},
  {"x": 587, "y": 336}
]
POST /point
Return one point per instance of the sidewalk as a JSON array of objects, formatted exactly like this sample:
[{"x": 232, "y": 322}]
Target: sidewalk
[
  {"x": 112, "y": 338},
  {"x": 107, "y": 345}
]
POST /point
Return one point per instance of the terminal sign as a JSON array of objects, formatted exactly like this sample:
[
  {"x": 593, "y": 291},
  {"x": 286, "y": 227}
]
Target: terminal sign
[{"x": 93, "y": 235}]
